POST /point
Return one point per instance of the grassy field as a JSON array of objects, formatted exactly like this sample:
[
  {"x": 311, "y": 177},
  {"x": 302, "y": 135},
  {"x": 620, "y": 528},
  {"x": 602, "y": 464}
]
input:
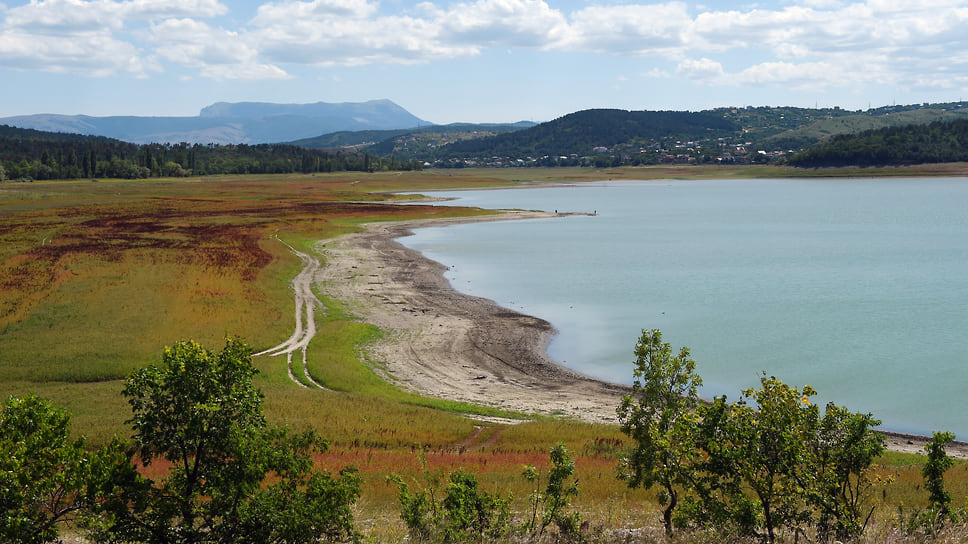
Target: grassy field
[{"x": 96, "y": 277}]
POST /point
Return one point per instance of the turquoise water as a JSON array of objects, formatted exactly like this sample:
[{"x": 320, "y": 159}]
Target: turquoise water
[{"x": 856, "y": 287}]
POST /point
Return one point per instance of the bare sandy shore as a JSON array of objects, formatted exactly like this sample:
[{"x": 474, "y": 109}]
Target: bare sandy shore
[{"x": 449, "y": 345}]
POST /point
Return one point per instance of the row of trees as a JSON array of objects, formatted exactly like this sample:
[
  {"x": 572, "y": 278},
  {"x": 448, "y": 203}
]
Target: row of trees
[
  {"x": 769, "y": 463},
  {"x": 912, "y": 144},
  {"x": 30, "y": 154},
  {"x": 766, "y": 465}
]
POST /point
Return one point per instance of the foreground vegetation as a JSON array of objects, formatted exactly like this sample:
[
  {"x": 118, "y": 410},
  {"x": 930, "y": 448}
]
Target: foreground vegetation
[
  {"x": 204, "y": 466},
  {"x": 98, "y": 277}
]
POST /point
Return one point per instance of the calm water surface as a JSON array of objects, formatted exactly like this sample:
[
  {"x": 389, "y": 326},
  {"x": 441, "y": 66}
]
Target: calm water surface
[{"x": 856, "y": 287}]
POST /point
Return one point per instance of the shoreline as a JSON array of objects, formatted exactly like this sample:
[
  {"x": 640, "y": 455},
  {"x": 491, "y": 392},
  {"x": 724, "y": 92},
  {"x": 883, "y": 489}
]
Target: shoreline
[{"x": 449, "y": 345}]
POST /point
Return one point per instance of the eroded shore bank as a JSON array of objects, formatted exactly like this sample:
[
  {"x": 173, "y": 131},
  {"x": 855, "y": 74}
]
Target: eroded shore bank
[{"x": 449, "y": 345}]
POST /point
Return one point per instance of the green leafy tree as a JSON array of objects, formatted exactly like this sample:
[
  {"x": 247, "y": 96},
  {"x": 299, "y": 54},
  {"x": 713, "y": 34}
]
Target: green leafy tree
[
  {"x": 764, "y": 464},
  {"x": 719, "y": 497},
  {"x": 770, "y": 462},
  {"x": 659, "y": 416},
  {"x": 200, "y": 412},
  {"x": 844, "y": 450},
  {"x": 933, "y": 471},
  {"x": 47, "y": 479},
  {"x": 770, "y": 450},
  {"x": 557, "y": 494}
]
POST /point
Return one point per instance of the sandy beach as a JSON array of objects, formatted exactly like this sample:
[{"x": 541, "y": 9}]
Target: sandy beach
[{"x": 445, "y": 344}]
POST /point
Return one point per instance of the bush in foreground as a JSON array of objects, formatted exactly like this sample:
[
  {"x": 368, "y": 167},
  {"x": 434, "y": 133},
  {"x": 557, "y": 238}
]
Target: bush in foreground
[
  {"x": 46, "y": 479},
  {"x": 200, "y": 413},
  {"x": 767, "y": 464}
]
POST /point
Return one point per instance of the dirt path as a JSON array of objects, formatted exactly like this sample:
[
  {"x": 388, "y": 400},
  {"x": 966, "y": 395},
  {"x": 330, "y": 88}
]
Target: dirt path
[{"x": 305, "y": 329}]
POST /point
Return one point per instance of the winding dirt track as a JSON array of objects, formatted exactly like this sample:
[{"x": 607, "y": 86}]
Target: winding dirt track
[{"x": 305, "y": 329}]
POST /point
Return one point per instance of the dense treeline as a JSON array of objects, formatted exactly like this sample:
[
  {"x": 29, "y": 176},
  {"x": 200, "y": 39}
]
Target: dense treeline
[
  {"x": 32, "y": 154},
  {"x": 579, "y": 133},
  {"x": 912, "y": 144}
]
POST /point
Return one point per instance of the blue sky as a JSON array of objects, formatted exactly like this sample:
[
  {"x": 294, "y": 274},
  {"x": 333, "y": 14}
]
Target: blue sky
[{"x": 478, "y": 60}]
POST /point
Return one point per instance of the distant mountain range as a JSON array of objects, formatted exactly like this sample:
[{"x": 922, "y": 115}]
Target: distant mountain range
[
  {"x": 599, "y": 137},
  {"x": 232, "y": 123}
]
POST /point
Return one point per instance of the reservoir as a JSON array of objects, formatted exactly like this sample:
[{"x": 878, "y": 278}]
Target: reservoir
[{"x": 858, "y": 287}]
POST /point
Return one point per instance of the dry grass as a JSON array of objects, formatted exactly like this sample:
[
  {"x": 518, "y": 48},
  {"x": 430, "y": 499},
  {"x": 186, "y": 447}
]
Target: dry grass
[{"x": 95, "y": 278}]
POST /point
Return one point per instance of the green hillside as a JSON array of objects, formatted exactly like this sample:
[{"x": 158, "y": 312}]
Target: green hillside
[
  {"x": 856, "y": 122},
  {"x": 605, "y": 138},
  {"x": 595, "y": 131},
  {"x": 387, "y": 142},
  {"x": 609, "y": 137},
  {"x": 939, "y": 141}
]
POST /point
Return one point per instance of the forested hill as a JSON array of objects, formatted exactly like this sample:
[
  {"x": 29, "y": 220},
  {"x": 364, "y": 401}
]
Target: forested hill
[
  {"x": 609, "y": 137},
  {"x": 381, "y": 142},
  {"x": 911, "y": 144},
  {"x": 27, "y": 154},
  {"x": 581, "y": 132}
]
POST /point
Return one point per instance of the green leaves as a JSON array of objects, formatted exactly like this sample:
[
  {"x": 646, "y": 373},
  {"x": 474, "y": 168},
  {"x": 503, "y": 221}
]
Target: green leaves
[
  {"x": 658, "y": 415},
  {"x": 933, "y": 472},
  {"x": 201, "y": 412},
  {"x": 768, "y": 462},
  {"x": 557, "y": 494},
  {"x": 466, "y": 513},
  {"x": 45, "y": 478},
  {"x": 914, "y": 143},
  {"x": 184, "y": 408}
]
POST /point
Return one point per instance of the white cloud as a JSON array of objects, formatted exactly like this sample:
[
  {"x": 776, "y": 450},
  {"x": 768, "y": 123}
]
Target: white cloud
[
  {"x": 807, "y": 43},
  {"x": 705, "y": 70},
  {"x": 335, "y": 33},
  {"x": 644, "y": 29},
  {"x": 159, "y": 9},
  {"x": 798, "y": 76},
  {"x": 517, "y": 23},
  {"x": 253, "y": 71},
  {"x": 281, "y": 13},
  {"x": 349, "y": 41},
  {"x": 216, "y": 53},
  {"x": 70, "y": 16},
  {"x": 94, "y": 54},
  {"x": 88, "y": 37},
  {"x": 64, "y": 16},
  {"x": 821, "y": 4},
  {"x": 197, "y": 44}
]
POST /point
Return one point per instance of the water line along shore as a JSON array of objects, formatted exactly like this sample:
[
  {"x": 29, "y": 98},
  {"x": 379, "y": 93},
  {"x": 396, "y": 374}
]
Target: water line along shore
[{"x": 449, "y": 345}]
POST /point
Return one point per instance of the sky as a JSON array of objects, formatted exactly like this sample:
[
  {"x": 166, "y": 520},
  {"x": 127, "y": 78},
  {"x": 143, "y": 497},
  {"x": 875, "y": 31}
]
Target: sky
[{"x": 485, "y": 61}]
